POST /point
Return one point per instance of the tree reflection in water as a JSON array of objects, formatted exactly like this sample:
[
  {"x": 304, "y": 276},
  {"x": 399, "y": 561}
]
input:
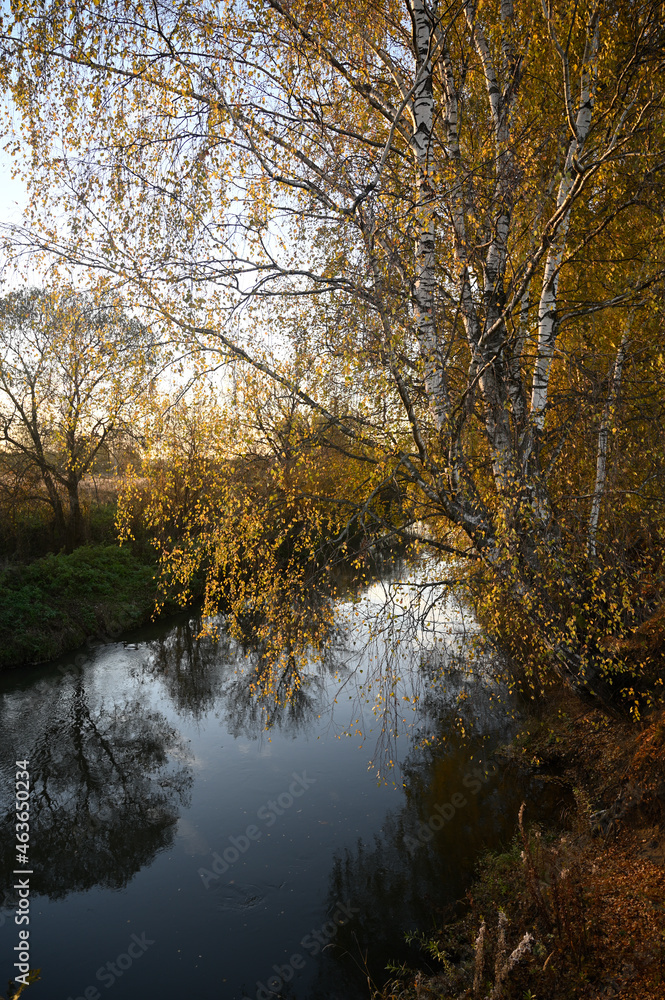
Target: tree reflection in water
[
  {"x": 375, "y": 642},
  {"x": 283, "y": 693},
  {"x": 415, "y": 873},
  {"x": 107, "y": 786},
  {"x": 256, "y": 689},
  {"x": 191, "y": 670},
  {"x": 370, "y": 641}
]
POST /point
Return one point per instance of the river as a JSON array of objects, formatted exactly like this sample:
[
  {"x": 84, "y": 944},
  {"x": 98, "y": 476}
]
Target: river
[{"x": 186, "y": 841}]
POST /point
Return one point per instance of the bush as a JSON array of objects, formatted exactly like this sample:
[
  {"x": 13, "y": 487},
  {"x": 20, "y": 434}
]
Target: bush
[{"x": 58, "y": 601}]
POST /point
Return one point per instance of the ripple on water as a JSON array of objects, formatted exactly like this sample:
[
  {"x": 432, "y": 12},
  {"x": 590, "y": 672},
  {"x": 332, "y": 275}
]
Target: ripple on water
[{"x": 240, "y": 896}]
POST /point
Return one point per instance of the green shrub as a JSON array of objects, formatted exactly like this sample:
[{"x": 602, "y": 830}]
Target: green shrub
[{"x": 56, "y": 602}]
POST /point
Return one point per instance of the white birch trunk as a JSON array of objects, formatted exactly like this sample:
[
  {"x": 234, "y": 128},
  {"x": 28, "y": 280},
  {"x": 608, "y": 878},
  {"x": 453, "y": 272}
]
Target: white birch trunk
[
  {"x": 425, "y": 249},
  {"x": 603, "y": 441},
  {"x": 494, "y": 378},
  {"x": 547, "y": 307}
]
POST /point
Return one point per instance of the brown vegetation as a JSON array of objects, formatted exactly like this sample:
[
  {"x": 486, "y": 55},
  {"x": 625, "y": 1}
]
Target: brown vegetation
[{"x": 592, "y": 897}]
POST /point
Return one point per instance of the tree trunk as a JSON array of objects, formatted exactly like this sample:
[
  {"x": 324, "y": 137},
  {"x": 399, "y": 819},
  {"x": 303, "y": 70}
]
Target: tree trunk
[
  {"x": 603, "y": 439},
  {"x": 74, "y": 534},
  {"x": 56, "y": 506}
]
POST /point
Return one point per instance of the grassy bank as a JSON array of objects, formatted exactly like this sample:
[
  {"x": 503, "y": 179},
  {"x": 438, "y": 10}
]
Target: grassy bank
[
  {"x": 55, "y": 603},
  {"x": 566, "y": 913}
]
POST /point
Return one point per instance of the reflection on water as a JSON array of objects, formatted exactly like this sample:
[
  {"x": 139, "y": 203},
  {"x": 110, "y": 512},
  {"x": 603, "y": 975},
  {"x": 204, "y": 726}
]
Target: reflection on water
[
  {"x": 188, "y": 669},
  {"x": 164, "y": 757},
  {"x": 253, "y": 693},
  {"x": 107, "y": 786}
]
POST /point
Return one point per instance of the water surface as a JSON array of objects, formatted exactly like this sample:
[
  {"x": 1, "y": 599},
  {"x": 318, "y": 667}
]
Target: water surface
[{"x": 179, "y": 848}]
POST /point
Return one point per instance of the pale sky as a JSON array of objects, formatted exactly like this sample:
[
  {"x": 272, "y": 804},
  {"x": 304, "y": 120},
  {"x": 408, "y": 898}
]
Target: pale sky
[
  {"x": 13, "y": 200},
  {"x": 12, "y": 192}
]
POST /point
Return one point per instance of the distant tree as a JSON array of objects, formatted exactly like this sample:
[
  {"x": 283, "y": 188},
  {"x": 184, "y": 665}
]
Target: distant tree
[{"x": 73, "y": 369}]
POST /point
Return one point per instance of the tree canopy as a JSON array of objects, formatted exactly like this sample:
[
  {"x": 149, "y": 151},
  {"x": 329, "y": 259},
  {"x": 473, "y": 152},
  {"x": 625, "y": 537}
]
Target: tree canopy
[
  {"x": 453, "y": 211},
  {"x": 72, "y": 373}
]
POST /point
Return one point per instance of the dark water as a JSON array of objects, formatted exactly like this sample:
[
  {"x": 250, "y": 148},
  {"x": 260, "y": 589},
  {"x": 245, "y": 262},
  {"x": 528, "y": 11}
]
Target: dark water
[{"x": 179, "y": 849}]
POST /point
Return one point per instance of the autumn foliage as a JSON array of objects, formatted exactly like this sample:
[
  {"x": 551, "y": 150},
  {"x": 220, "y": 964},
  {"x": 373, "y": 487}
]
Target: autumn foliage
[{"x": 431, "y": 234}]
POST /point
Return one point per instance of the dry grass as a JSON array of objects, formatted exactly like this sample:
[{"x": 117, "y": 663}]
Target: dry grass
[{"x": 593, "y": 897}]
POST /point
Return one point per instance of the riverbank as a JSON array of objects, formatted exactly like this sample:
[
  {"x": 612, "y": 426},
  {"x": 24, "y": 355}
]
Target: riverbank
[
  {"x": 583, "y": 905},
  {"x": 52, "y": 605}
]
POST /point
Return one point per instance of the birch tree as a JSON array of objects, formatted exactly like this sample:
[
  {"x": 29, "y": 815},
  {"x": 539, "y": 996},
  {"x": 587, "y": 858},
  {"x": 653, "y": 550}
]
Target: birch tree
[{"x": 452, "y": 187}]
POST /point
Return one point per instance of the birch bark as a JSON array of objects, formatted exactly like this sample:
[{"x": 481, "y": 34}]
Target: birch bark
[
  {"x": 424, "y": 296},
  {"x": 571, "y": 176},
  {"x": 603, "y": 441}
]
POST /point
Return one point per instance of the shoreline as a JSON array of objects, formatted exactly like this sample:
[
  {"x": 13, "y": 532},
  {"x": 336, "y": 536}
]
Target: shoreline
[
  {"x": 55, "y": 604},
  {"x": 569, "y": 911},
  {"x": 584, "y": 904}
]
